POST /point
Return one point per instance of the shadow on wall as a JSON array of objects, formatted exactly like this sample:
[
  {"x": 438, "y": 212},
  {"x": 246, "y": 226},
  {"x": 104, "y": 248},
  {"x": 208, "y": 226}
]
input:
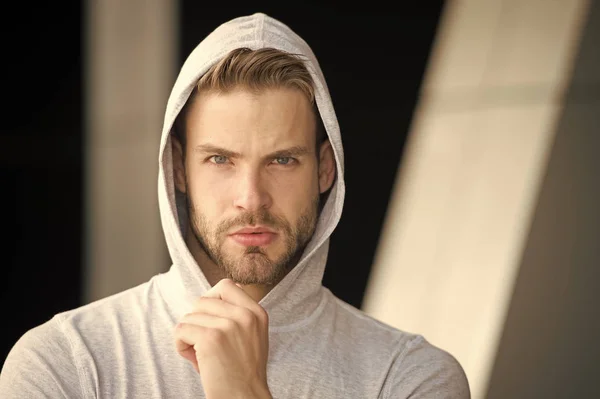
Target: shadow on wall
[{"x": 550, "y": 345}]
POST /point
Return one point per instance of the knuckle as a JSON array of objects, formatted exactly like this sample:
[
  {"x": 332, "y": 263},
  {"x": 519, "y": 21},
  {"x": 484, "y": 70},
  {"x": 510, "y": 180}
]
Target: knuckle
[
  {"x": 247, "y": 318},
  {"x": 198, "y": 302},
  {"x": 262, "y": 314},
  {"x": 225, "y": 282},
  {"x": 229, "y": 325},
  {"x": 189, "y": 318},
  {"x": 180, "y": 328}
]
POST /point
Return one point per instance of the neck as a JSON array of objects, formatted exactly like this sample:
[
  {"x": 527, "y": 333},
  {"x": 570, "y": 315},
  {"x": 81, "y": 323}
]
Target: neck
[{"x": 214, "y": 273}]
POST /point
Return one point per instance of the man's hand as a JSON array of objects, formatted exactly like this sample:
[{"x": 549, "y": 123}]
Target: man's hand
[{"x": 226, "y": 338}]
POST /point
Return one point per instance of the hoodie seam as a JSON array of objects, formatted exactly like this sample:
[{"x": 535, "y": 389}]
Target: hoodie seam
[
  {"x": 398, "y": 361},
  {"x": 80, "y": 370},
  {"x": 261, "y": 30}
]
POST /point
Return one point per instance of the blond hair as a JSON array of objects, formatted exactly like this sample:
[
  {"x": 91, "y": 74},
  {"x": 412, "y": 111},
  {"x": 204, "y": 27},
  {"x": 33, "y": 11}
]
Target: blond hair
[
  {"x": 255, "y": 70},
  {"x": 258, "y": 69}
]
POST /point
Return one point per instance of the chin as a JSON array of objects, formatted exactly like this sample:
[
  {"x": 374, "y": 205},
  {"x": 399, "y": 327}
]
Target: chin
[{"x": 253, "y": 268}]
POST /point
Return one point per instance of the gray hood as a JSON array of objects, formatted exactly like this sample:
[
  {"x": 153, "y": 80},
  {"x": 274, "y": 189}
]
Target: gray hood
[{"x": 298, "y": 295}]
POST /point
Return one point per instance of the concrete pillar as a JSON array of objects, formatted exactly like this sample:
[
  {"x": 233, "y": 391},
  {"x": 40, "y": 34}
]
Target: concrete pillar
[
  {"x": 549, "y": 345},
  {"x": 130, "y": 60},
  {"x": 470, "y": 177}
]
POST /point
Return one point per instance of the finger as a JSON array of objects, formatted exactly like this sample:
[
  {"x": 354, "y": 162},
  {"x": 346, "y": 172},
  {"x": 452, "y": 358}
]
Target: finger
[
  {"x": 186, "y": 336},
  {"x": 207, "y": 321},
  {"x": 191, "y": 338},
  {"x": 190, "y": 355},
  {"x": 219, "y": 308},
  {"x": 184, "y": 341},
  {"x": 228, "y": 291},
  {"x": 197, "y": 328}
]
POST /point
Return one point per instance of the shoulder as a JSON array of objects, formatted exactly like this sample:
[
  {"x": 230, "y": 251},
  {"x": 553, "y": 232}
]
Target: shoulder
[
  {"x": 51, "y": 359},
  {"x": 104, "y": 317},
  {"x": 417, "y": 369},
  {"x": 424, "y": 370},
  {"x": 365, "y": 328},
  {"x": 41, "y": 363},
  {"x": 49, "y": 335}
]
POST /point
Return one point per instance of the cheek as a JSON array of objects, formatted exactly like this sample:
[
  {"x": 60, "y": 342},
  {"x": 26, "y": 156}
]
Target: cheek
[
  {"x": 293, "y": 193},
  {"x": 210, "y": 192}
]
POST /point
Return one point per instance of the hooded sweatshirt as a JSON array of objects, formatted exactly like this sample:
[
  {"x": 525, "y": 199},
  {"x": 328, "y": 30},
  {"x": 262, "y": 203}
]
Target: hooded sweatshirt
[{"x": 122, "y": 346}]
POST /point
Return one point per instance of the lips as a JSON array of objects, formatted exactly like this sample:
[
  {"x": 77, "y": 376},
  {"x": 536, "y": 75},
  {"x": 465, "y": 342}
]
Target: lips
[
  {"x": 254, "y": 230},
  {"x": 254, "y": 236}
]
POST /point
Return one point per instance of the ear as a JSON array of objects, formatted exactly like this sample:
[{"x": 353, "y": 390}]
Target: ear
[
  {"x": 178, "y": 164},
  {"x": 326, "y": 166}
]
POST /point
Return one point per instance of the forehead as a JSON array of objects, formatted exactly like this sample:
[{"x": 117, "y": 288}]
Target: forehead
[{"x": 270, "y": 117}]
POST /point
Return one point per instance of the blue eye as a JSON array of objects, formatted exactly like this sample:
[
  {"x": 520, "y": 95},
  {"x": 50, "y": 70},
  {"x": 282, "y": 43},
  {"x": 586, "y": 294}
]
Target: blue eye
[
  {"x": 218, "y": 159},
  {"x": 283, "y": 160}
]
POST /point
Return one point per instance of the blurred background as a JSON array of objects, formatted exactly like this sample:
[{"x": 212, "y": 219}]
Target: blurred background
[{"x": 472, "y": 137}]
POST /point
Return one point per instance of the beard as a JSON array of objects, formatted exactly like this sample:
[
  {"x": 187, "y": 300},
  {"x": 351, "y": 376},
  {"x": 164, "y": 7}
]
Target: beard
[{"x": 253, "y": 265}]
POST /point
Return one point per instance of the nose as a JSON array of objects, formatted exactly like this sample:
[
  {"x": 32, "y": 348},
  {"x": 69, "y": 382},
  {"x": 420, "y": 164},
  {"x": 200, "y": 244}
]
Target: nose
[{"x": 251, "y": 192}]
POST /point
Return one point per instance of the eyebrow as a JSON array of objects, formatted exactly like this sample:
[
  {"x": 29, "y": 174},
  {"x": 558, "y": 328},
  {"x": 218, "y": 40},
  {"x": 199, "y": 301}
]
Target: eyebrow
[
  {"x": 295, "y": 151},
  {"x": 209, "y": 148}
]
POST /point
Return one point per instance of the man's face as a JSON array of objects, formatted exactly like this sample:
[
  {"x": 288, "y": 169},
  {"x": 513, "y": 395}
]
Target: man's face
[{"x": 252, "y": 179}]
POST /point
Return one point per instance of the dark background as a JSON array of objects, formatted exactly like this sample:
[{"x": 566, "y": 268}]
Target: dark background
[{"x": 373, "y": 58}]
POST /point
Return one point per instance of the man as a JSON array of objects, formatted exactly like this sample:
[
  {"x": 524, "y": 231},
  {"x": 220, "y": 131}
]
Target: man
[{"x": 250, "y": 188}]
